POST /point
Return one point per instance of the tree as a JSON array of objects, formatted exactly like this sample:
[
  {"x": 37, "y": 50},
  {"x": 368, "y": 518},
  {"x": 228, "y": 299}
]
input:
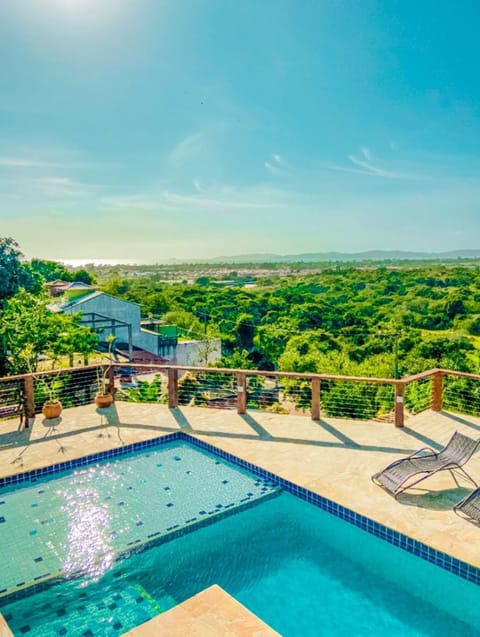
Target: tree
[
  {"x": 50, "y": 270},
  {"x": 83, "y": 276},
  {"x": 28, "y": 328},
  {"x": 13, "y": 272},
  {"x": 184, "y": 320}
]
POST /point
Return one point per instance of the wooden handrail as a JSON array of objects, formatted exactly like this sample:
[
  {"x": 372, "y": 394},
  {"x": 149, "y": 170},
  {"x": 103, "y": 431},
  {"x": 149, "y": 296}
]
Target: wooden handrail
[{"x": 436, "y": 375}]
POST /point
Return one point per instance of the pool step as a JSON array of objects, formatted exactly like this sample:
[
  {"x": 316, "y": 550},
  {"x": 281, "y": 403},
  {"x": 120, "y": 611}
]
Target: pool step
[{"x": 126, "y": 605}]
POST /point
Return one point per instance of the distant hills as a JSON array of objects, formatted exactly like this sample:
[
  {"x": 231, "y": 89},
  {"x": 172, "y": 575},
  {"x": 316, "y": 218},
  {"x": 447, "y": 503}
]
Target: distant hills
[{"x": 369, "y": 255}]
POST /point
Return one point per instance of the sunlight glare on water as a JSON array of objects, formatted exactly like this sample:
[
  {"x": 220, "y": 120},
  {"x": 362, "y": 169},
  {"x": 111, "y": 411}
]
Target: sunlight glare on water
[{"x": 89, "y": 550}]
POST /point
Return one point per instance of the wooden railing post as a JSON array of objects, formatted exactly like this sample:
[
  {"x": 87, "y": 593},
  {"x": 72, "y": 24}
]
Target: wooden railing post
[
  {"x": 315, "y": 398},
  {"x": 399, "y": 405},
  {"x": 172, "y": 388},
  {"x": 437, "y": 391},
  {"x": 28, "y": 400},
  {"x": 241, "y": 393}
]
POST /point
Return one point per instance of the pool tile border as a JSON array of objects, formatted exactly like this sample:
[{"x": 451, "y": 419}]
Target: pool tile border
[{"x": 421, "y": 550}]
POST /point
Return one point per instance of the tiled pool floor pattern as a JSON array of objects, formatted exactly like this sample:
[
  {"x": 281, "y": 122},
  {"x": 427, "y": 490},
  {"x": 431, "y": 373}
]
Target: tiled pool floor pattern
[
  {"x": 77, "y": 523},
  {"x": 107, "y": 613}
]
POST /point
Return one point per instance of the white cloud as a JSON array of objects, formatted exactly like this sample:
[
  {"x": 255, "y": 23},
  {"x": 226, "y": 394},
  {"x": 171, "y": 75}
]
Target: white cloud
[
  {"x": 17, "y": 162},
  {"x": 277, "y": 165},
  {"x": 363, "y": 165},
  {"x": 129, "y": 203},
  {"x": 224, "y": 202},
  {"x": 187, "y": 149},
  {"x": 64, "y": 187},
  {"x": 366, "y": 153}
]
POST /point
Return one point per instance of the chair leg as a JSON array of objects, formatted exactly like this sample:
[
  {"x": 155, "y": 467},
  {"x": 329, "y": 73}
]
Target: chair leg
[{"x": 465, "y": 475}]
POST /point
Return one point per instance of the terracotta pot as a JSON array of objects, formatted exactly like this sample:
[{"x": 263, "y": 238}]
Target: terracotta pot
[
  {"x": 103, "y": 400},
  {"x": 52, "y": 409}
]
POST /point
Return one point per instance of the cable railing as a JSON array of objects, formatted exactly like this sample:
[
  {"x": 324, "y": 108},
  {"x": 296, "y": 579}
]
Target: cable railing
[
  {"x": 461, "y": 394},
  {"x": 317, "y": 395},
  {"x": 418, "y": 396}
]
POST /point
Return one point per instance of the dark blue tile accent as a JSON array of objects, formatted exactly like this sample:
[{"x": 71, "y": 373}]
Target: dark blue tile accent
[
  {"x": 170, "y": 504},
  {"x": 2, "y": 501},
  {"x": 38, "y": 559},
  {"x": 415, "y": 547},
  {"x": 33, "y": 532},
  {"x": 25, "y": 629},
  {"x": 2, "y": 519}
]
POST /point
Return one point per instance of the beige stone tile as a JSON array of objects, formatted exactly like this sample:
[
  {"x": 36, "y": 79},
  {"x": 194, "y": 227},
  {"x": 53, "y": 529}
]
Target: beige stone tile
[
  {"x": 4, "y": 629},
  {"x": 212, "y": 613}
]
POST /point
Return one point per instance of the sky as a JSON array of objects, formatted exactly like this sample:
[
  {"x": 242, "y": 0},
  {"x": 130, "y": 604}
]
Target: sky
[{"x": 150, "y": 130}]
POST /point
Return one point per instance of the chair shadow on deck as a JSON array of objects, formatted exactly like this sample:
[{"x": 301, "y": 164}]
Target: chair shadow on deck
[{"x": 443, "y": 500}]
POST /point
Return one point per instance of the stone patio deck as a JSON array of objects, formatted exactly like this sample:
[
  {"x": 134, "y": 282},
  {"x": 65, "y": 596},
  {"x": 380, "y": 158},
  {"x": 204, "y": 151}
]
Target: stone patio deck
[{"x": 334, "y": 458}]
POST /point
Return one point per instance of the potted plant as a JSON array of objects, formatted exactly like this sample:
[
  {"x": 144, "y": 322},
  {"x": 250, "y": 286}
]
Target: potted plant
[
  {"x": 104, "y": 395},
  {"x": 52, "y": 407}
]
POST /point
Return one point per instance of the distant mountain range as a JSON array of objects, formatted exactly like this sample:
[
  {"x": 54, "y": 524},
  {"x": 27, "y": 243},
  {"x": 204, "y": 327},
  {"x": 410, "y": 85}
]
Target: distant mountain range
[{"x": 370, "y": 255}]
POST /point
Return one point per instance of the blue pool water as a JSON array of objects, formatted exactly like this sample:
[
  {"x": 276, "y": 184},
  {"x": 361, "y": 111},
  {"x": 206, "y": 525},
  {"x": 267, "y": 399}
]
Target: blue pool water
[{"x": 301, "y": 570}]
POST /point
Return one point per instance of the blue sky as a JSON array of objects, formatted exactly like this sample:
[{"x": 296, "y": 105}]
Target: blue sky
[{"x": 154, "y": 129}]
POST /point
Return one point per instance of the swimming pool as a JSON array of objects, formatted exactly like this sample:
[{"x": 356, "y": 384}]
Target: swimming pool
[{"x": 300, "y": 569}]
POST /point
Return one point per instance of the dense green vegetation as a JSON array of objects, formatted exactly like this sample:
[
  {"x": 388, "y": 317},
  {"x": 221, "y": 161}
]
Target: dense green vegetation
[
  {"x": 27, "y": 327},
  {"x": 370, "y": 320},
  {"x": 348, "y": 319}
]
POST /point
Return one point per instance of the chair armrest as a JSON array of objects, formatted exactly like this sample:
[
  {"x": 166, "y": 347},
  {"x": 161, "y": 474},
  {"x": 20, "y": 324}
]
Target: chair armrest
[{"x": 431, "y": 452}]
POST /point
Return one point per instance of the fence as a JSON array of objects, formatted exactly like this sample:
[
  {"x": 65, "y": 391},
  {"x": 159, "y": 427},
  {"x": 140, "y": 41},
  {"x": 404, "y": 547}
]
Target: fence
[{"x": 319, "y": 395}]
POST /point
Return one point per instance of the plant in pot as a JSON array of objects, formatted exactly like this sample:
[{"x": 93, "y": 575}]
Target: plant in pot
[
  {"x": 104, "y": 395},
  {"x": 52, "y": 407}
]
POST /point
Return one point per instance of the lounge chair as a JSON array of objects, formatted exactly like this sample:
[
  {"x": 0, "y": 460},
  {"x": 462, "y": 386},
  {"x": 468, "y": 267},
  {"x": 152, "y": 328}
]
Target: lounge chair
[
  {"x": 426, "y": 462},
  {"x": 469, "y": 507}
]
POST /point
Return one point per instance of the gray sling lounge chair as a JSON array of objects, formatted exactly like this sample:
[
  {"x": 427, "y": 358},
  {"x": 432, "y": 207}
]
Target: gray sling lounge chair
[
  {"x": 469, "y": 507},
  {"x": 425, "y": 462}
]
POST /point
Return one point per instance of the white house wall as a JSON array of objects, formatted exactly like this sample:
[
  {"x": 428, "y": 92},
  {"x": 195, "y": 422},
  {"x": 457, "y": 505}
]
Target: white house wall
[
  {"x": 194, "y": 353},
  {"x": 198, "y": 353}
]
